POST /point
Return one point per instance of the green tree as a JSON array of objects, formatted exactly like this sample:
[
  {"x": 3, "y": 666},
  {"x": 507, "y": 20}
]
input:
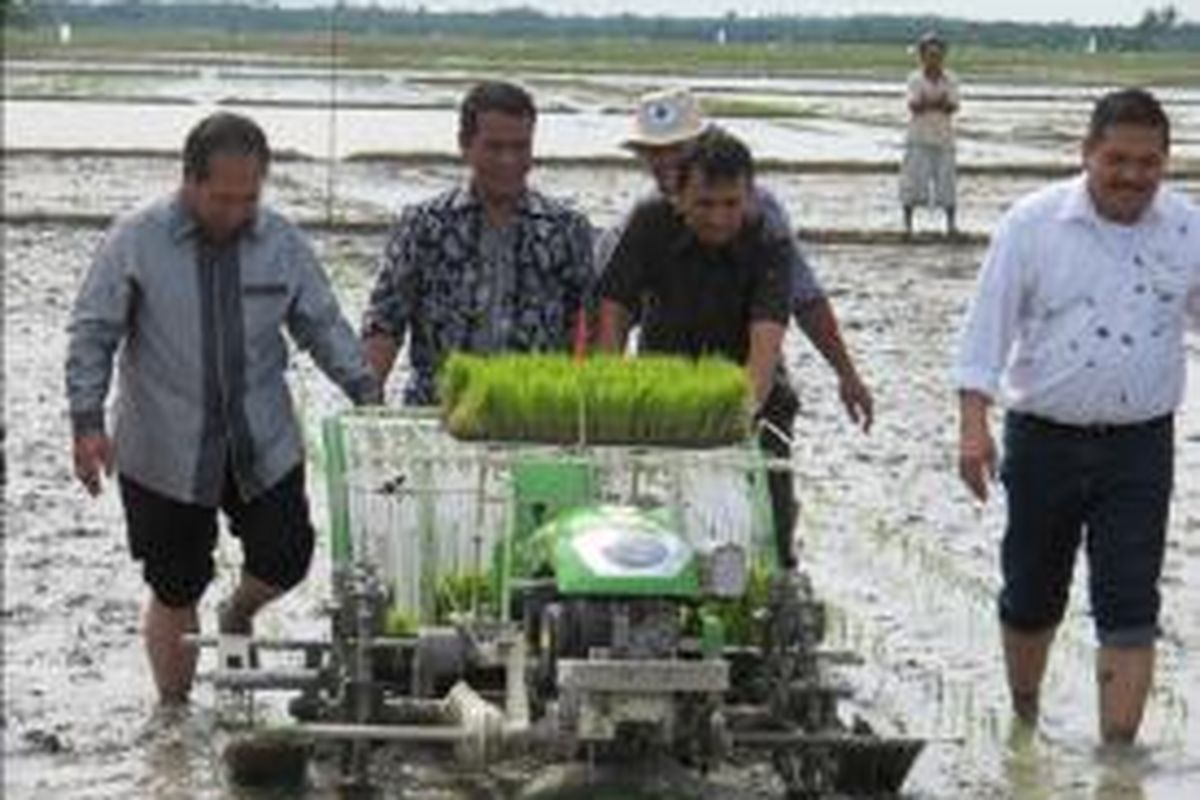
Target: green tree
[
  {"x": 1155, "y": 25},
  {"x": 17, "y": 13}
]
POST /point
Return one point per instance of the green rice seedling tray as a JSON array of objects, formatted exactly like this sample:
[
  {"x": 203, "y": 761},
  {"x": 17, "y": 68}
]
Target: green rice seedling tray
[{"x": 554, "y": 399}]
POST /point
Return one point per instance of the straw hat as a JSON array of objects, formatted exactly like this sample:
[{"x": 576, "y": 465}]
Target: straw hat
[{"x": 665, "y": 118}]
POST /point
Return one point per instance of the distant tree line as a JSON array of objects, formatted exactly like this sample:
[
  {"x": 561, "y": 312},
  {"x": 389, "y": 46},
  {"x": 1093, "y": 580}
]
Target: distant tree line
[{"x": 1157, "y": 29}]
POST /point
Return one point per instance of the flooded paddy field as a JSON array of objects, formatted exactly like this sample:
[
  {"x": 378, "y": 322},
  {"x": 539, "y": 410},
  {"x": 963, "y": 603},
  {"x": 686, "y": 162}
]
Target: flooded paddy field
[
  {"x": 388, "y": 111},
  {"x": 905, "y": 560}
]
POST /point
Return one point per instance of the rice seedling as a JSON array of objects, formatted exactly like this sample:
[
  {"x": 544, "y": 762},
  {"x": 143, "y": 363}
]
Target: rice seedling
[
  {"x": 742, "y": 617},
  {"x": 463, "y": 593},
  {"x": 603, "y": 400},
  {"x": 756, "y": 107}
]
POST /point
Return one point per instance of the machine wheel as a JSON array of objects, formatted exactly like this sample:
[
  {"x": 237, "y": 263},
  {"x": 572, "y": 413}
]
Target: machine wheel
[
  {"x": 807, "y": 774},
  {"x": 263, "y": 759}
]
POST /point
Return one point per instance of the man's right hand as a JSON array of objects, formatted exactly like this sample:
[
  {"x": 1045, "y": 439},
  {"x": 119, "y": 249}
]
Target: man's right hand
[
  {"x": 93, "y": 458},
  {"x": 977, "y": 463},
  {"x": 976, "y": 448}
]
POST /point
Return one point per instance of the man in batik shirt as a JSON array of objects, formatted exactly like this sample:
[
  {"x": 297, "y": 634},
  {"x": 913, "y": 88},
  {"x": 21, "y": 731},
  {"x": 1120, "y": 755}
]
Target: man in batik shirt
[{"x": 488, "y": 266}]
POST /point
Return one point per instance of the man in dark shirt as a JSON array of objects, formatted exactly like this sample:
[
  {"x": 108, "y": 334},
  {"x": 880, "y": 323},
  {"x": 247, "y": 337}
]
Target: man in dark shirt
[{"x": 702, "y": 279}]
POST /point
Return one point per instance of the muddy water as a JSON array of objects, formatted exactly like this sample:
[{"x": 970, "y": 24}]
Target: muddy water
[
  {"x": 906, "y": 561},
  {"x": 388, "y": 111}
]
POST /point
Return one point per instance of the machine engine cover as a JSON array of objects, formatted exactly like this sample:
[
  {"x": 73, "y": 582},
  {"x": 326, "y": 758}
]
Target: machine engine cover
[{"x": 618, "y": 550}]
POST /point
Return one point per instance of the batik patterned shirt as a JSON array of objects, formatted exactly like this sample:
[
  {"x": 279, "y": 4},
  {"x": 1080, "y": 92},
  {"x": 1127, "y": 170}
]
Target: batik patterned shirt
[{"x": 450, "y": 283}]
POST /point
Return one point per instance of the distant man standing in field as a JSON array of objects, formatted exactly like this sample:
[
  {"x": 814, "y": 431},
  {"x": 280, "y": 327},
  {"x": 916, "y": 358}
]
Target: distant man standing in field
[
  {"x": 191, "y": 296},
  {"x": 701, "y": 279},
  {"x": 664, "y": 125},
  {"x": 927, "y": 170},
  {"x": 1077, "y": 327},
  {"x": 488, "y": 266}
]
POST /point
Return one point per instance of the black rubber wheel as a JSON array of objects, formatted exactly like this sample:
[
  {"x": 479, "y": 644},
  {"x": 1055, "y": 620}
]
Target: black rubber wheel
[{"x": 267, "y": 759}]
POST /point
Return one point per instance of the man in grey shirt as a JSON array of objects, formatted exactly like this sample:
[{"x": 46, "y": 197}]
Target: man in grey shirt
[
  {"x": 664, "y": 124},
  {"x": 190, "y": 296}
]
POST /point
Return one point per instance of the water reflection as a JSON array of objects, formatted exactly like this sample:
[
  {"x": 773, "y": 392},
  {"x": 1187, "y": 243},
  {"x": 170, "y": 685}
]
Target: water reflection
[
  {"x": 179, "y": 753},
  {"x": 1036, "y": 767},
  {"x": 1028, "y": 763},
  {"x": 1121, "y": 773}
]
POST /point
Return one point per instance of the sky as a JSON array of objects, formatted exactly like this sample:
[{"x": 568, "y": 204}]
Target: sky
[{"x": 1083, "y": 12}]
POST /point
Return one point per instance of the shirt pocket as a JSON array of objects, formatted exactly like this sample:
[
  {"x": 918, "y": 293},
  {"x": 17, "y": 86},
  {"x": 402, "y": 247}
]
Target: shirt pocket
[
  {"x": 1170, "y": 282},
  {"x": 1059, "y": 333},
  {"x": 264, "y": 289},
  {"x": 264, "y": 309}
]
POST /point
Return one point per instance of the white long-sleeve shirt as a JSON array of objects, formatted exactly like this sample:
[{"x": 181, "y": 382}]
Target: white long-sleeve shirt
[{"x": 1079, "y": 319}]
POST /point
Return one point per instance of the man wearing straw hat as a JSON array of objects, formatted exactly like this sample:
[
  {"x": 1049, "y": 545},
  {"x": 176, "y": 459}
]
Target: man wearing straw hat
[
  {"x": 664, "y": 123},
  {"x": 701, "y": 279}
]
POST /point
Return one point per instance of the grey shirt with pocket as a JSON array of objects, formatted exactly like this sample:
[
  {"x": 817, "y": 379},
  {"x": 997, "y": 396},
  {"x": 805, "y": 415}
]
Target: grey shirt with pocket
[{"x": 197, "y": 334}]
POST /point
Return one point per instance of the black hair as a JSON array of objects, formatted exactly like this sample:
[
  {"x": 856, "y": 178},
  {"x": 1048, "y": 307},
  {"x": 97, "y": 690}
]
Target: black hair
[
  {"x": 718, "y": 155},
  {"x": 223, "y": 133},
  {"x": 1132, "y": 106},
  {"x": 501, "y": 96},
  {"x": 931, "y": 39}
]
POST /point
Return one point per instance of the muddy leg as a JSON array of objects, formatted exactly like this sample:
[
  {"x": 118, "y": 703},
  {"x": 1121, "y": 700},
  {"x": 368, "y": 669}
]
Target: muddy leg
[
  {"x": 172, "y": 662},
  {"x": 1025, "y": 656},
  {"x": 1123, "y": 676}
]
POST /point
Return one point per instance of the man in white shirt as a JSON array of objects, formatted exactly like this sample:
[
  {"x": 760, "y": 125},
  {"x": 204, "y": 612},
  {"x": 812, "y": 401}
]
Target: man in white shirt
[
  {"x": 1077, "y": 328},
  {"x": 927, "y": 170}
]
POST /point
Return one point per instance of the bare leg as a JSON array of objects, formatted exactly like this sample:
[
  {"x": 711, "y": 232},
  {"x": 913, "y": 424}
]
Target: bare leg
[
  {"x": 172, "y": 662},
  {"x": 1025, "y": 656},
  {"x": 238, "y": 610},
  {"x": 1123, "y": 676}
]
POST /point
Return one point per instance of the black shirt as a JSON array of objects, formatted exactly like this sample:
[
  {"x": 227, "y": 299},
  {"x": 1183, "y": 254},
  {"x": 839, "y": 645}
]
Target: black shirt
[{"x": 693, "y": 299}]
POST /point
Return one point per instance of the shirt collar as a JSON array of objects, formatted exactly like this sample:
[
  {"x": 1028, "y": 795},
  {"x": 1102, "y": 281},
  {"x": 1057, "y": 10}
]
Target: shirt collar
[
  {"x": 529, "y": 204},
  {"x": 179, "y": 221},
  {"x": 739, "y": 250},
  {"x": 1080, "y": 207},
  {"x": 181, "y": 224}
]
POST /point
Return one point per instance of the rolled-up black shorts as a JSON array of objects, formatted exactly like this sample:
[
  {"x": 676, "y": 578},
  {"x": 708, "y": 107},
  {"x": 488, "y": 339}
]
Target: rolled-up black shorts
[
  {"x": 1112, "y": 484},
  {"x": 174, "y": 540}
]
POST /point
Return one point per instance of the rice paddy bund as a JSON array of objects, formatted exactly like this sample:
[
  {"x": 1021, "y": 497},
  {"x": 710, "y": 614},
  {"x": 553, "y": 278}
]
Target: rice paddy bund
[{"x": 907, "y": 563}]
